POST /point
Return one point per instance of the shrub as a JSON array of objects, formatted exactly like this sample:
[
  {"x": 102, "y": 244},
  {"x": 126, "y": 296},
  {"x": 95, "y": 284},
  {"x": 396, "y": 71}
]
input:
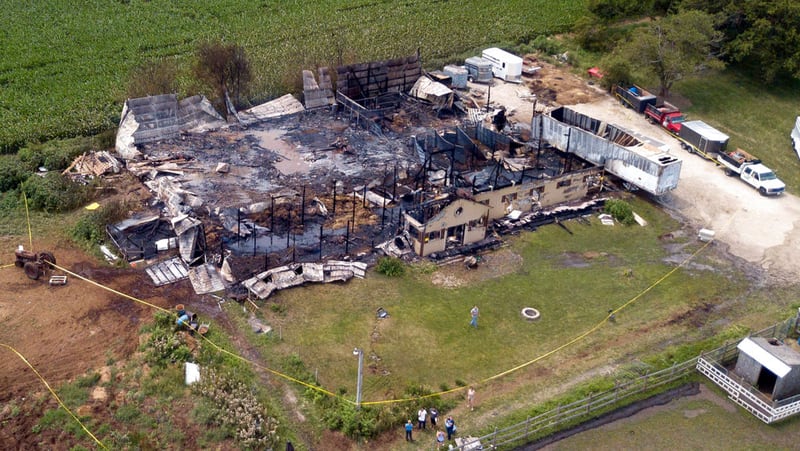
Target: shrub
[
  {"x": 9, "y": 200},
  {"x": 620, "y": 210},
  {"x": 54, "y": 193},
  {"x": 619, "y": 9},
  {"x": 165, "y": 345},
  {"x": 617, "y": 69},
  {"x": 234, "y": 407},
  {"x": 595, "y": 35},
  {"x": 90, "y": 228},
  {"x": 391, "y": 266},
  {"x": 548, "y": 45},
  {"x": 13, "y": 171},
  {"x": 55, "y": 155}
]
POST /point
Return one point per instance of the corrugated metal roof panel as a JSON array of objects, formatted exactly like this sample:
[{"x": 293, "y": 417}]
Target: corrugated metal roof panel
[{"x": 763, "y": 357}]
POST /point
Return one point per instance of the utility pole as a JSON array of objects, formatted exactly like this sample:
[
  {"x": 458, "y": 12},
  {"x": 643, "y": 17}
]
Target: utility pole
[{"x": 360, "y": 354}]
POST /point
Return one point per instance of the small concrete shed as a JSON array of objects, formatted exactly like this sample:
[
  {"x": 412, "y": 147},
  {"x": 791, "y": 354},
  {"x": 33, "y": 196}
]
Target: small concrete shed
[{"x": 770, "y": 365}]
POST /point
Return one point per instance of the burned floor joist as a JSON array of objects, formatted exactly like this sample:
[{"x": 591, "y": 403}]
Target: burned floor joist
[{"x": 287, "y": 191}]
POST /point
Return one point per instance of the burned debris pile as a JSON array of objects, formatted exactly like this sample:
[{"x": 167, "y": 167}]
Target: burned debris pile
[{"x": 392, "y": 161}]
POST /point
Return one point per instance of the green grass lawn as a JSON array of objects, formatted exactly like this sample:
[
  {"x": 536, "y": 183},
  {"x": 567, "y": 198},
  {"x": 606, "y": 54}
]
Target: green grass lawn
[
  {"x": 427, "y": 340},
  {"x": 710, "y": 422},
  {"x": 757, "y": 117}
]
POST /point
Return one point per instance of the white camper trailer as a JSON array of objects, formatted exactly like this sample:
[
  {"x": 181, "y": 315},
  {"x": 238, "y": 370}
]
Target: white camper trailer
[{"x": 505, "y": 66}]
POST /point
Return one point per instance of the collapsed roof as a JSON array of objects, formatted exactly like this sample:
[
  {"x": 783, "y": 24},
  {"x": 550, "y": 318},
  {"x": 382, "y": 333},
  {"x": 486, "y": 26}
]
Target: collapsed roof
[{"x": 154, "y": 118}]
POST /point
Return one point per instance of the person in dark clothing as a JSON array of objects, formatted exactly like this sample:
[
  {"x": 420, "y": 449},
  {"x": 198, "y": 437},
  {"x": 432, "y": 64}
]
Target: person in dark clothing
[
  {"x": 450, "y": 426},
  {"x": 434, "y": 414}
]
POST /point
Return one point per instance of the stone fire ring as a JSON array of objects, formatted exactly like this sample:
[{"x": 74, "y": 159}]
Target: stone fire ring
[{"x": 530, "y": 313}]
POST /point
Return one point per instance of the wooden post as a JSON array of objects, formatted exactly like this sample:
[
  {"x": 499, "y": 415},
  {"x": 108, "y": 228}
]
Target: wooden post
[
  {"x": 394, "y": 183},
  {"x": 303, "y": 208},
  {"x": 383, "y": 212},
  {"x": 354, "y": 208},
  {"x": 271, "y": 218},
  {"x": 334, "y": 200},
  {"x": 346, "y": 241}
]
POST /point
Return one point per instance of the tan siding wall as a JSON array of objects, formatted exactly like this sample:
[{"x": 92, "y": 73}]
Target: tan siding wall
[{"x": 566, "y": 188}]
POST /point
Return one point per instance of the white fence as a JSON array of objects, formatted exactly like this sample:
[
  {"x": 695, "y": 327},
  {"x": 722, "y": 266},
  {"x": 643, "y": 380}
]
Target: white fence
[
  {"x": 709, "y": 364},
  {"x": 743, "y": 393}
]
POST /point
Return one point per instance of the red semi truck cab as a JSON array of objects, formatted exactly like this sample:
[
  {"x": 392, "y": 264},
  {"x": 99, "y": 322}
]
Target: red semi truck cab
[{"x": 665, "y": 114}]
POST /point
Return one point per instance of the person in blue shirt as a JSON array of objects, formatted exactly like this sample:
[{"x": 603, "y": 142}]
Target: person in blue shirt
[
  {"x": 409, "y": 430},
  {"x": 450, "y": 426},
  {"x": 474, "y": 315}
]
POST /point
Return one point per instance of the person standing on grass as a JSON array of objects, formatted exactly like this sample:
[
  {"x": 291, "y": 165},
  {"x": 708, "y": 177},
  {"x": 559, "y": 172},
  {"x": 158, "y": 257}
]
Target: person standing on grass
[
  {"x": 409, "y": 430},
  {"x": 421, "y": 414},
  {"x": 471, "y": 398},
  {"x": 474, "y": 314},
  {"x": 434, "y": 415},
  {"x": 450, "y": 427},
  {"x": 439, "y": 439}
]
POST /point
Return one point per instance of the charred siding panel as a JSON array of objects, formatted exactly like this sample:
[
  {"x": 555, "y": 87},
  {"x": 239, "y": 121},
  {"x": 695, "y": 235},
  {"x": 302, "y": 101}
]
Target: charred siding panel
[
  {"x": 624, "y": 155},
  {"x": 359, "y": 81}
]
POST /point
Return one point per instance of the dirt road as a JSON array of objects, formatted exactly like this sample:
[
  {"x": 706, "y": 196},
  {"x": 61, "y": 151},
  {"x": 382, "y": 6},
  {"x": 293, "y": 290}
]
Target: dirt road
[{"x": 761, "y": 230}]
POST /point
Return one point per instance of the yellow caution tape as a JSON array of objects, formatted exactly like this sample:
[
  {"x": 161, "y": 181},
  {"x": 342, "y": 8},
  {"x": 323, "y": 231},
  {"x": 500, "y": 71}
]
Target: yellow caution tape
[
  {"x": 28, "y": 216},
  {"x": 431, "y": 395},
  {"x": 60, "y": 402}
]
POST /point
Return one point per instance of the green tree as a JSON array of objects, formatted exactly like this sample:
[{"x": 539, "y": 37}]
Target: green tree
[
  {"x": 674, "y": 47},
  {"x": 609, "y": 10},
  {"x": 766, "y": 35},
  {"x": 226, "y": 69}
]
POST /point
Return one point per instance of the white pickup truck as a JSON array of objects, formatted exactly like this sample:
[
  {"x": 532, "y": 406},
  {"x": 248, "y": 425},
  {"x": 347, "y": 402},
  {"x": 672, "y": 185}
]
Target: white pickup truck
[
  {"x": 750, "y": 169},
  {"x": 795, "y": 135}
]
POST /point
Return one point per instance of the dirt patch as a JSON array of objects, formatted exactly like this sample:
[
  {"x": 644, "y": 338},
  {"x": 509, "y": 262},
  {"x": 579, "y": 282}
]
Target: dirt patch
[
  {"x": 551, "y": 86},
  {"x": 490, "y": 266},
  {"x": 556, "y": 84},
  {"x": 63, "y": 331},
  {"x": 696, "y": 316}
]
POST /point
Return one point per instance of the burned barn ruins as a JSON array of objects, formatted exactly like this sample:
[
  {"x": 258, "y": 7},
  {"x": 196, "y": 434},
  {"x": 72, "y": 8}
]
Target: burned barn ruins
[{"x": 384, "y": 163}]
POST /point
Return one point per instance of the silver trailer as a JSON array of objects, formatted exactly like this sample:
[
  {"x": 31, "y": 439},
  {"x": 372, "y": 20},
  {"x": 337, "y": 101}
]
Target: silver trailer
[
  {"x": 480, "y": 69},
  {"x": 699, "y": 137}
]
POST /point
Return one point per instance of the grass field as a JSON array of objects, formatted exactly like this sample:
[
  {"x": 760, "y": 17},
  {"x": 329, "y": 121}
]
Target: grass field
[
  {"x": 708, "y": 422},
  {"x": 427, "y": 340},
  {"x": 758, "y": 118},
  {"x": 64, "y": 68}
]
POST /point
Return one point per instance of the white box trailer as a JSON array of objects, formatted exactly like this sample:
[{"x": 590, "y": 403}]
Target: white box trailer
[{"x": 505, "y": 66}]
